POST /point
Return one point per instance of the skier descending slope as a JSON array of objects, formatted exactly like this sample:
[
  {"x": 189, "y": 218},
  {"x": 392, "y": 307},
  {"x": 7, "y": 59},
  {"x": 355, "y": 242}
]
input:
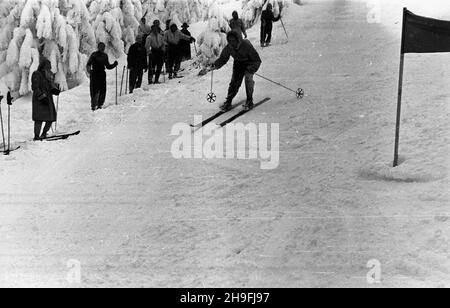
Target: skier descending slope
[
  {"x": 267, "y": 19},
  {"x": 246, "y": 64},
  {"x": 43, "y": 88},
  {"x": 96, "y": 70}
]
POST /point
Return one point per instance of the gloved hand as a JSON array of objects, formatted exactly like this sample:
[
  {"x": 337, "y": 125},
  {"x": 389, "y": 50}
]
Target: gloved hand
[
  {"x": 193, "y": 40},
  {"x": 115, "y": 63}
]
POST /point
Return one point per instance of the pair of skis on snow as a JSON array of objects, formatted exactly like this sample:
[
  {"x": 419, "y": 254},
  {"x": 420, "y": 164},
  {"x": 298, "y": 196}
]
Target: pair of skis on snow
[
  {"x": 232, "y": 118},
  {"x": 61, "y": 136}
]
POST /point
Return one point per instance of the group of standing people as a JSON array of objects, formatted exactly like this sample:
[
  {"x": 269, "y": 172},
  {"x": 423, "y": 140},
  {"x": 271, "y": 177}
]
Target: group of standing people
[{"x": 154, "y": 48}]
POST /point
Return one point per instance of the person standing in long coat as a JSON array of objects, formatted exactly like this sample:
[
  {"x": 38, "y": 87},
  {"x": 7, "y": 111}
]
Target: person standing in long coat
[
  {"x": 185, "y": 46},
  {"x": 43, "y": 87}
]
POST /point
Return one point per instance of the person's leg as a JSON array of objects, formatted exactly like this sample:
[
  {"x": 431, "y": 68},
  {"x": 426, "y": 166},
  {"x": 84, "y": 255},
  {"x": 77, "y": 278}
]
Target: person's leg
[
  {"x": 37, "y": 130},
  {"x": 177, "y": 63},
  {"x": 159, "y": 62},
  {"x": 151, "y": 70},
  {"x": 102, "y": 93},
  {"x": 133, "y": 79},
  {"x": 249, "y": 87},
  {"x": 269, "y": 35},
  {"x": 263, "y": 35},
  {"x": 235, "y": 84},
  {"x": 140, "y": 75},
  {"x": 47, "y": 127},
  {"x": 170, "y": 61},
  {"x": 94, "y": 93}
]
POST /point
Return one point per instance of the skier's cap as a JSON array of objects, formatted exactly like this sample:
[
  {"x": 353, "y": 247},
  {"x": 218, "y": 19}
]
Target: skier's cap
[{"x": 185, "y": 25}]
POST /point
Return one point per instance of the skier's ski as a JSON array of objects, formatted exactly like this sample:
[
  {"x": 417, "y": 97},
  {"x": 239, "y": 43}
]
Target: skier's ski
[
  {"x": 241, "y": 113},
  {"x": 62, "y": 136},
  {"x": 10, "y": 150},
  {"x": 215, "y": 116}
]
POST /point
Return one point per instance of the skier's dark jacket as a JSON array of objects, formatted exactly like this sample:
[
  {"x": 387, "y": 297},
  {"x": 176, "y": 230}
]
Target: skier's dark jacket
[
  {"x": 98, "y": 62},
  {"x": 244, "y": 56},
  {"x": 43, "y": 90},
  {"x": 137, "y": 57},
  {"x": 267, "y": 19}
]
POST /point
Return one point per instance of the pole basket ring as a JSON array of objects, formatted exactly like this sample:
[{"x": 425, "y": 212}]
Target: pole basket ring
[
  {"x": 300, "y": 93},
  {"x": 211, "y": 98}
]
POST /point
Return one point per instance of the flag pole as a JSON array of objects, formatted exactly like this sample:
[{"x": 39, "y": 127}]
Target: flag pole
[{"x": 400, "y": 92}]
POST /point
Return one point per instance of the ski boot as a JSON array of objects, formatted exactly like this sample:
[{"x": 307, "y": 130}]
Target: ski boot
[
  {"x": 170, "y": 76},
  {"x": 226, "y": 106},
  {"x": 248, "y": 105}
]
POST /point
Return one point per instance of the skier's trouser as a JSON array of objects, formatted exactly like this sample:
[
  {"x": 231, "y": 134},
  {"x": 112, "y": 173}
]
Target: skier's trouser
[
  {"x": 38, "y": 128},
  {"x": 173, "y": 59},
  {"x": 98, "y": 90},
  {"x": 136, "y": 75},
  {"x": 156, "y": 63},
  {"x": 239, "y": 73},
  {"x": 266, "y": 33}
]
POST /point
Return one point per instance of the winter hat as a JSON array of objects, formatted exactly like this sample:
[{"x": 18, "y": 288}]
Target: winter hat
[{"x": 185, "y": 26}]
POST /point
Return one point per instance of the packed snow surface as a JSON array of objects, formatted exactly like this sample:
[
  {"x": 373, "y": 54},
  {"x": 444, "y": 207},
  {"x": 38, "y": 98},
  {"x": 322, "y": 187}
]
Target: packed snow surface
[{"x": 116, "y": 201}]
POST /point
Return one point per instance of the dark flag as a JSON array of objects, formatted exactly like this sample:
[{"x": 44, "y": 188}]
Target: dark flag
[
  {"x": 419, "y": 35},
  {"x": 425, "y": 35}
]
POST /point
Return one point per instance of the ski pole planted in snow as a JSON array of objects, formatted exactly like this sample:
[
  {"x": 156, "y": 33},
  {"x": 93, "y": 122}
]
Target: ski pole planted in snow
[
  {"x": 282, "y": 23},
  {"x": 3, "y": 131},
  {"x": 116, "y": 85},
  {"x": 57, "y": 109},
  {"x": 126, "y": 81},
  {"x": 211, "y": 97},
  {"x": 121, "y": 82},
  {"x": 299, "y": 92},
  {"x": 9, "y": 102}
]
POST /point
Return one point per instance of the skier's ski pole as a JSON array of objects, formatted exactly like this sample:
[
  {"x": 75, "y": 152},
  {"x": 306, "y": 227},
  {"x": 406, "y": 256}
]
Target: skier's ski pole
[
  {"x": 9, "y": 102},
  {"x": 121, "y": 82},
  {"x": 282, "y": 23},
  {"x": 116, "y": 85},
  {"x": 57, "y": 108},
  {"x": 3, "y": 131},
  {"x": 299, "y": 93},
  {"x": 126, "y": 82},
  {"x": 195, "y": 48},
  {"x": 164, "y": 72},
  {"x": 211, "y": 98}
]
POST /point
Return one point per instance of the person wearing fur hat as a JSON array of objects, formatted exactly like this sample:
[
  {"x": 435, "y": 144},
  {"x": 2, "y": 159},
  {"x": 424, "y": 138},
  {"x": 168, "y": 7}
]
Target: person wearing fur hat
[
  {"x": 137, "y": 63},
  {"x": 43, "y": 87},
  {"x": 172, "y": 39}
]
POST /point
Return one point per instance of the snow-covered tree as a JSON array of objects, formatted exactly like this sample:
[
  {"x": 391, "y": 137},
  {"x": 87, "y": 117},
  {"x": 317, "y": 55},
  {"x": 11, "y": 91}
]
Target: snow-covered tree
[
  {"x": 115, "y": 23},
  {"x": 56, "y": 29},
  {"x": 213, "y": 39}
]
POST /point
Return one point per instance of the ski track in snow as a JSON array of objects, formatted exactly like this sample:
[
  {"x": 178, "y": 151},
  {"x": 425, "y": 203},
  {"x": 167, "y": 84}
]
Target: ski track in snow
[{"x": 115, "y": 199}]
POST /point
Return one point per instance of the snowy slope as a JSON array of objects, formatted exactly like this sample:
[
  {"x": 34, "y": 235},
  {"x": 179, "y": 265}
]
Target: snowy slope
[{"x": 115, "y": 199}]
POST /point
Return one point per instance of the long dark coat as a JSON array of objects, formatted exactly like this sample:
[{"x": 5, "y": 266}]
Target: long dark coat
[
  {"x": 185, "y": 47},
  {"x": 43, "y": 88}
]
